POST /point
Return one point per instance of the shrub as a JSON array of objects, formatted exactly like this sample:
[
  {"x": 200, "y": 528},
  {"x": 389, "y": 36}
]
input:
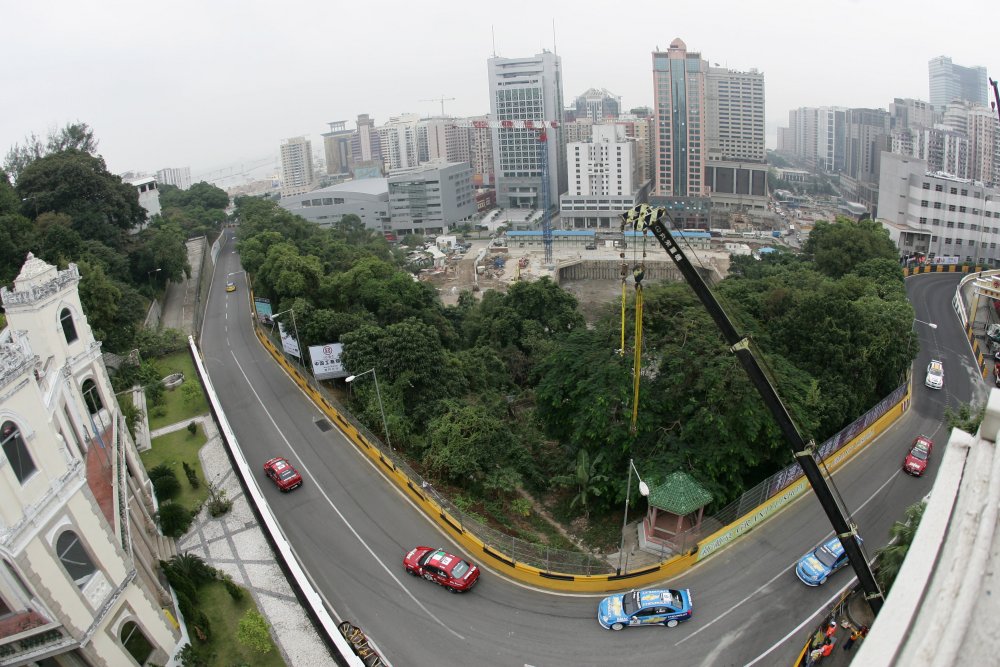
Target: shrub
[
  {"x": 191, "y": 393},
  {"x": 521, "y": 507},
  {"x": 235, "y": 590},
  {"x": 253, "y": 632},
  {"x": 218, "y": 503},
  {"x": 159, "y": 471},
  {"x": 166, "y": 487},
  {"x": 192, "y": 475},
  {"x": 154, "y": 393},
  {"x": 174, "y": 519},
  {"x": 192, "y": 428}
]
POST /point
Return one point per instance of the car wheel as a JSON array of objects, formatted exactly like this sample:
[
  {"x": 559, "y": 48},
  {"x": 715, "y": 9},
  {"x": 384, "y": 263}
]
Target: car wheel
[
  {"x": 821, "y": 581},
  {"x": 428, "y": 576},
  {"x": 452, "y": 590},
  {"x": 617, "y": 626},
  {"x": 412, "y": 573},
  {"x": 672, "y": 623}
]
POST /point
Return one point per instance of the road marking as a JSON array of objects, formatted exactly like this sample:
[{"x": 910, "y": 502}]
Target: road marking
[
  {"x": 330, "y": 502},
  {"x": 782, "y": 573}
]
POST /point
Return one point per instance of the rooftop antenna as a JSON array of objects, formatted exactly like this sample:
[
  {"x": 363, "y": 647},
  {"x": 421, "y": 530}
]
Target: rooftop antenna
[
  {"x": 554, "y": 49},
  {"x": 493, "y": 34}
]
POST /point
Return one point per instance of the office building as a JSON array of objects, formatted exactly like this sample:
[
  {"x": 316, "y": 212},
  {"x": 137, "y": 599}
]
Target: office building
[
  {"x": 366, "y": 150},
  {"x": 430, "y": 199},
  {"x": 937, "y": 214},
  {"x": 367, "y": 198},
  {"x": 80, "y": 581},
  {"x": 950, "y": 82},
  {"x": 597, "y": 106},
  {"x": 337, "y": 148},
  {"x": 527, "y": 89},
  {"x": 867, "y": 137},
  {"x": 911, "y": 113},
  {"x": 734, "y": 126},
  {"x": 179, "y": 177},
  {"x": 400, "y": 142},
  {"x": 818, "y": 136},
  {"x": 296, "y": 166},
  {"x": 481, "y": 155},
  {"x": 603, "y": 179}
]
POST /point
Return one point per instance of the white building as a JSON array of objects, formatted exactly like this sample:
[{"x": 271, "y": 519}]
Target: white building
[
  {"x": 735, "y": 115},
  {"x": 430, "y": 199},
  {"x": 400, "y": 141},
  {"x": 527, "y": 89},
  {"x": 80, "y": 549},
  {"x": 603, "y": 179},
  {"x": 936, "y": 213},
  {"x": 177, "y": 176},
  {"x": 149, "y": 196},
  {"x": 296, "y": 166},
  {"x": 367, "y": 198}
]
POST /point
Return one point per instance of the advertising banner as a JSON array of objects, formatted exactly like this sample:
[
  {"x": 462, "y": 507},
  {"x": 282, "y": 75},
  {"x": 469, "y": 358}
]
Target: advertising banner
[
  {"x": 263, "y": 307},
  {"x": 326, "y": 361},
  {"x": 288, "y": 342}
]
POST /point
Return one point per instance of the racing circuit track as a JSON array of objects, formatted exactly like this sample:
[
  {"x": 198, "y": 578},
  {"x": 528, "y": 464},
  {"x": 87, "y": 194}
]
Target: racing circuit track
[{"x": 350, "y": 527}]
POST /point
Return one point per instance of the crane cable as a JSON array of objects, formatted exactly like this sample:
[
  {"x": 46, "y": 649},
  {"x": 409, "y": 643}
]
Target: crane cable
[{"x": 638, "y": 273}]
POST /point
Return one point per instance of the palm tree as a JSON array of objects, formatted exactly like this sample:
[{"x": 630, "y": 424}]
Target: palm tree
[
  {"x": 585, "y": 478},
  {"x": 891, "y": 556}
]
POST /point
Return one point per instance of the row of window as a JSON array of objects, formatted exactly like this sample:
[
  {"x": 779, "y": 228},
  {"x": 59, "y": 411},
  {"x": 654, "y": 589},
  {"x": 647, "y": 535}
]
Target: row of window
[{"x": 960, "y": 209}]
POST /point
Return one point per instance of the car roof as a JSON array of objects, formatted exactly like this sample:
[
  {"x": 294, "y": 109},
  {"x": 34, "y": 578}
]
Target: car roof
[
  {"x": 834, "y": 546},
  {"x": 442, "y": 559},
  {"x": 935, "y": 366},
  {"x": 651, "y": 598}
]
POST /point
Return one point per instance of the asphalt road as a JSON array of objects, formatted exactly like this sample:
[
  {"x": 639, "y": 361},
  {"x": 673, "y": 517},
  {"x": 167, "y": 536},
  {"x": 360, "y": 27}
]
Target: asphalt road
[{"x": 351, "y": 528}]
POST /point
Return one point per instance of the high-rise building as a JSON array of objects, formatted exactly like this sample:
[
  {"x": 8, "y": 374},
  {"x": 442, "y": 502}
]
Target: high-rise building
[
  {"x": 818, "y": 136},
  {"x": 446, "y": 140},
  {"x": 296, "y": 166},
  {"x": 603, "y": 179},
  {"x": 481, "y": 154},
  {"x": 431, "y": 198},
  {"x": 527, "y": 89},
  {"x": 337, "y": 148},
  {"x": 176, "y": 176},
  {"x": 366, "y": 150},
  {"x": 984, "y": 145},
  {"x": 680, "y": 110},
  {"x": 641, "y": 128},
  {"x": 597, "y": 105},
  {"x": 80, "y": 582},
  {"x": 400, "y": 141},
  {"x": 944, "y": 150},
  {"x": 734, "y": 124},
  {"x": 867, "y": 136},
  {"x": 950, "y": 82},
  {"x": 911, "y": 113}
]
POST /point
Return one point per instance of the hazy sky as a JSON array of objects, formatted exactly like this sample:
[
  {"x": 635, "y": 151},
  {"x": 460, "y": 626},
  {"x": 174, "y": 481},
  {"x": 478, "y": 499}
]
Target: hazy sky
[{"x": 211, "y": 83}]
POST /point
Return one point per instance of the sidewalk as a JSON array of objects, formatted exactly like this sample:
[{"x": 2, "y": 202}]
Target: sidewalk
[{"x": 234, "y": 544}]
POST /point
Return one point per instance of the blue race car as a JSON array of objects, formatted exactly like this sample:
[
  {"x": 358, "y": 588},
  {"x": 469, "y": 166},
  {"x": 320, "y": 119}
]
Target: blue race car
[
  {"x": 816, "y": 566},
  {"x": 651, "y": 607}
]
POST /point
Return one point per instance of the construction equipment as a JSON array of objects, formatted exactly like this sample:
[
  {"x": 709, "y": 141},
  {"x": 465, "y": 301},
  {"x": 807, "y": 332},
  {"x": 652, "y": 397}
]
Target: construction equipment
[
  {"x": 544, "y": 199},
  {"x": 648, "y": 219},
  {"x": 442, "y": 100}
]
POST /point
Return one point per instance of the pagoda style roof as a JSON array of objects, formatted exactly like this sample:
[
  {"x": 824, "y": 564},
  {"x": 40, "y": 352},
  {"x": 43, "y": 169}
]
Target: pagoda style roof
[{"x": 679, "y": 494}]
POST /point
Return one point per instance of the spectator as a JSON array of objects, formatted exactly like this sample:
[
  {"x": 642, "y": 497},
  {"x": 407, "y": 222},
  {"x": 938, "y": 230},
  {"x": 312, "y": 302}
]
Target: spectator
[
  {"x": 855, "y": 636},
  {"x": 827, "y": 647}
]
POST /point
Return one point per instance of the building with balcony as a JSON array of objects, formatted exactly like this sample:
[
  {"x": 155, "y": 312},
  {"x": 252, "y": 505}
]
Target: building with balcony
[
  {"x": 603, "y": 179},
  {"x": 179, "y": 177},
  {"x": 79, "y": 582},
  {"x": 296, "y": 166}
]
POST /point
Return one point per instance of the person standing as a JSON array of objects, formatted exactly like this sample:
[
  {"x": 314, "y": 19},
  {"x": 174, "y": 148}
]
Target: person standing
[{"x": 855, "y": 636}]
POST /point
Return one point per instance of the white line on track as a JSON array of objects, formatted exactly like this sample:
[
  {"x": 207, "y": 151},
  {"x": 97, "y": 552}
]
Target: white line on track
[{"x": 330, "y": 502}]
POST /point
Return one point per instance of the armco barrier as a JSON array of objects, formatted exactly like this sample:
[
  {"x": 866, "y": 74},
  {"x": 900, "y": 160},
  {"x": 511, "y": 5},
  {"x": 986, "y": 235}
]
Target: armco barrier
[{"x": 310, "y": 598}]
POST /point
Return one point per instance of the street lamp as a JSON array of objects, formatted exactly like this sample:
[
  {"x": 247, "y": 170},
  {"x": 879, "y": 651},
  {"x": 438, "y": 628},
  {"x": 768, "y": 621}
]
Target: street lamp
[
  {"x": 643, "y": 490},
  {"x": 381, "y": 408},
  {"x": 34, "y": 199},
  {"x": 298, "y": 341},
  {"x": 150, "y": 276}
]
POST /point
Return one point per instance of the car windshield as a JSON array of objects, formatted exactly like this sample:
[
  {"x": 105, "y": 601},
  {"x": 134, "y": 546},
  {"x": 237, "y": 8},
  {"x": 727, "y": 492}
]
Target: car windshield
[
  {"x": 826, "y": 556},
  {"x": 287, "y": 474},
  {"x": 919, "y": 452},
  {"x": 630, "y": 602},
  {"x": 461, "y": 567}
]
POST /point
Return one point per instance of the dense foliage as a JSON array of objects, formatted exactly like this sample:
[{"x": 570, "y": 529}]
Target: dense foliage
[
  {"x": 65, "y": 206},
  {"x": 513, "y": 389}
]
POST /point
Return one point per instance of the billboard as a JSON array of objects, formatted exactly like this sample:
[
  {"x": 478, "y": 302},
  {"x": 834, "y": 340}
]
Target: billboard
[
  {"x": 263, "y": 307},
  {"x": 288, "y": 342},
  {"x": 326, "y": 361}
]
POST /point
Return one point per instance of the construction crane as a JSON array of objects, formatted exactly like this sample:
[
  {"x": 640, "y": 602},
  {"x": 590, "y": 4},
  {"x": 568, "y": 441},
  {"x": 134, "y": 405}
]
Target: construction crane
[
  {"x": 442, "y": 100},
  {"x": 542, "y": 127}
]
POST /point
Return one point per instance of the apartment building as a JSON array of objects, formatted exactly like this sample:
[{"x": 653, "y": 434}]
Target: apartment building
[
  {"x": 603, "y": 179},
  {"x": 296, "y": 166},
  {"x": 179, "y": 177}
]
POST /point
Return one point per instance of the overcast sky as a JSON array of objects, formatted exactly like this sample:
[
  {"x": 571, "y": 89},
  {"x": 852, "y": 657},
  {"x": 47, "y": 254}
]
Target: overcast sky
[{"x": 212, "y": 83}]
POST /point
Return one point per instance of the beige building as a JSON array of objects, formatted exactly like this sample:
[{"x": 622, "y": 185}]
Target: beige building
[{"x": 78, "y": 583}]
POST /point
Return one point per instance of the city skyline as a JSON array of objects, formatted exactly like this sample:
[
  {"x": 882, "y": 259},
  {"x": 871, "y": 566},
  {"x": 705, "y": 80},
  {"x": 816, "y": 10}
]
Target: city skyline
[{"x": 208, "y": 86}]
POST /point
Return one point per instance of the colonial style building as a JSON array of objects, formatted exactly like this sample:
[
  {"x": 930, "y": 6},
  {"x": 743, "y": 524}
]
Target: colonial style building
[{"x": 78, "y": 584}]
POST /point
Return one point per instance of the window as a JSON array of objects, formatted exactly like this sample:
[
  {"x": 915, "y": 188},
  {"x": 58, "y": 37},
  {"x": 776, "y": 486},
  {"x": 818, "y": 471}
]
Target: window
[
  {"x": 74, "y": 558},
  {"x": 16, "y": 451},
  {"x": 135, "y": 642},
  {"x": 938, "y": 188},
  {"x": 92, "y": 397},
  {"x": 69, "y": 329}
]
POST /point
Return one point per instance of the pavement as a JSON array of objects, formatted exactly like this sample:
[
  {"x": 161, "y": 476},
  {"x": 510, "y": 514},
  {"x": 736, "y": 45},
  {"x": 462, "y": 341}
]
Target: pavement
[{"x": 235, "y": 544}]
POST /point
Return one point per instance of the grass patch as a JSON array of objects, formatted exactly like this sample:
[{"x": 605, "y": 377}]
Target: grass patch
[
  {"x": 224, "y": 614},
  {"x": 175, "y": 408},
  {"x": 173, "y": 448}
]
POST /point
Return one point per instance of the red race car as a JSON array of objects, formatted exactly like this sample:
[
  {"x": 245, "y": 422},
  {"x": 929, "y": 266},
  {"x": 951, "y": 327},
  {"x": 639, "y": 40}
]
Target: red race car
[
  {"x": 283, "y": 474},
  {"x": 439, "y": 566},
  {"x": 916, "y": 460}
]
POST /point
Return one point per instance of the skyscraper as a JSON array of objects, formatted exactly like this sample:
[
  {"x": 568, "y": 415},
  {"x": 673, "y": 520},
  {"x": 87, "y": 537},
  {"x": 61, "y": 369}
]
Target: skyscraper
[
  {"x": 527, "y": 89},
  {"x": 337, "y": 148},
  {"x": 679, "y": 107},
  {"x": 178, "y": 176},
  {"x": 296, "y": 166},
  {"x": 735, "y": 114},
  {"x": 598, "y": 105},
  {"x": 949, "y": 82}
]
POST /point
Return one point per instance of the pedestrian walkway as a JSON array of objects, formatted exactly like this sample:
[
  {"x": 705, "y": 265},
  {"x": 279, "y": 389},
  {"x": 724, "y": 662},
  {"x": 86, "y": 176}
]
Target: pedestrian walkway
[{"x": 235, "y": 544}]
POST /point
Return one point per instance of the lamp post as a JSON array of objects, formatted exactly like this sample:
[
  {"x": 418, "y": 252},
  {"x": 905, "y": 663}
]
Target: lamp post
[
  {"x": 643, "y": 490},
  {"x": 909, "y": 342},
  {"x": 150, "y": 276},
  {"x": 381, "y": 408},
  {"x": 298, "y": 341},
  {"x": 982, "y": 220}
]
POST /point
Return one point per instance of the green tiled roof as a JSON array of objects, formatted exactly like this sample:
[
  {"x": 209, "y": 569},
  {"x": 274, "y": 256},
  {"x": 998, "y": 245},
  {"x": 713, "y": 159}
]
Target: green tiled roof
[{"x": 679, "y": 494}]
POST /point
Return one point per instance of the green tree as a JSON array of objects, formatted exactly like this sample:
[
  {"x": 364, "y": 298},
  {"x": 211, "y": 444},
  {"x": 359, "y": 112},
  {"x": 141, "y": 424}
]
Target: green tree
[
  {"x": 838, "y": 247},
  {"x": 75, "y": 136},
  {"x": 891, "y": 556},
  {"x": 254, "y": 632},
  {"x": 585, "y": 479},
  {"x": 967, "y": 418}
]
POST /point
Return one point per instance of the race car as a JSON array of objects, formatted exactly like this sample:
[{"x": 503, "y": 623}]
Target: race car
[
  {"x": 444, "y": 569},
  {"x": 282, "y": 473},
  {"x": 649, "y": 607},
  {"x": 918, "y": 457},
  {"x": 816, "y": 566}
]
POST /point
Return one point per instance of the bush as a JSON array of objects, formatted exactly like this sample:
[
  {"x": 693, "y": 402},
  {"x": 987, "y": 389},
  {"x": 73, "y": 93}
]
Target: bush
[
  {"x": 235, "y": 591},
  {"x": 192, "y": 475},
  {"x": 218, "y": 503},
  {"x": 162, "y": 470},
  {"x": 154, "y": 393},
  {"x": 521, "y": 507},
  {"x": 174, "y": 519},
  {"x": 253, "y": 632},
  {"x": 191, "y": 391},
  {"x": 192, "y": 428},
  {"x": 166, "y": 487}
]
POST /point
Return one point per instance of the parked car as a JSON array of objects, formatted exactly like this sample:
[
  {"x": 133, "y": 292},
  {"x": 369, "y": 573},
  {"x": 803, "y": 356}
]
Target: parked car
[
  {"x": 591, "y": 246},
  {"x": 444, "y": 569},
  {"x": 935, "y": 374},
  {"x": 993, "y": 333},
  {"x": 649, "y": 607},
  {"x": 282, "y": 473},
  {"x": 919, "y": 456},
  {"x": 816, "y": 566}
]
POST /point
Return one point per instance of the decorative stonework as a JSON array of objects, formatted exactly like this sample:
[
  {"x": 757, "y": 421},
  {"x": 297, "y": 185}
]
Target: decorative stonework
[
  {"x": 37, "y": 281},
  {"x": 13, "y": 363}
]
